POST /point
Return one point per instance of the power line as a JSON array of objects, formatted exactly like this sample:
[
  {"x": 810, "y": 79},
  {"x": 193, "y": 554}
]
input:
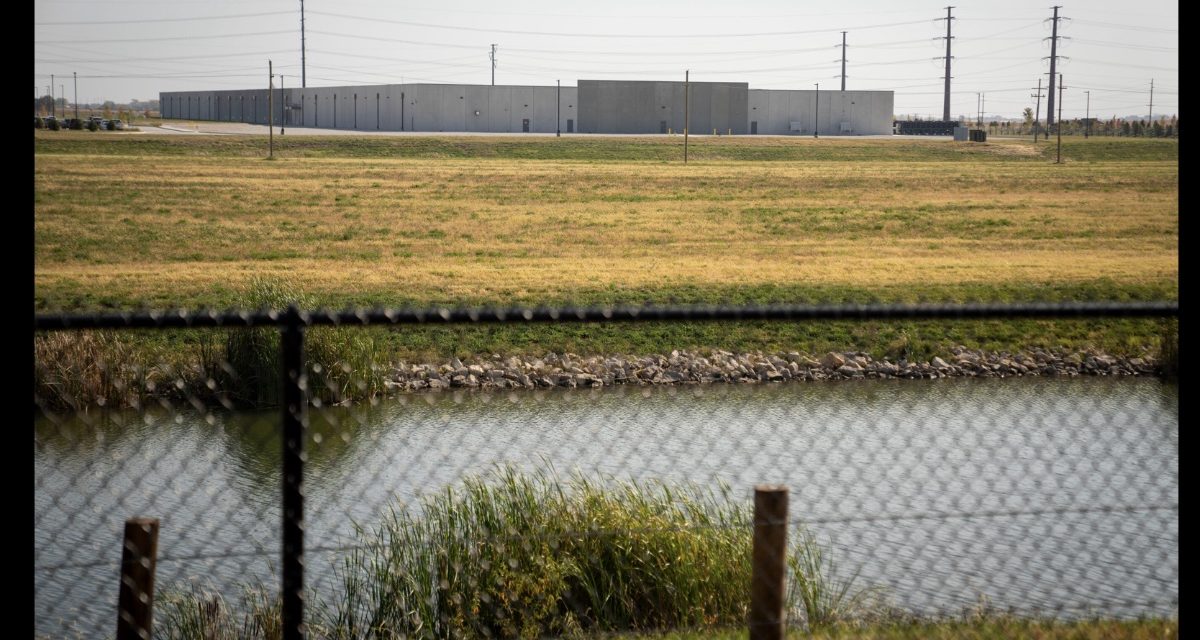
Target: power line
[
  {"x": 1129, "y": 27},
  {"x": 158, "y": 20},
  {"x": 172, "y": 38},
  {"x": 605, "y": 35}
]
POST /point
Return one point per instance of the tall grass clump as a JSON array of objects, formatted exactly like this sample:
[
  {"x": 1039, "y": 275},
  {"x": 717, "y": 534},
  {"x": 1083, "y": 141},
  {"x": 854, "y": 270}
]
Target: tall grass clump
[
  {"x": 75, "y": 369},
  {"x": 203, "y": 614},
  {"x": 819, "y": 596},
  {"x": 344, "y": 364},
  {"x": 516, "y": 555},
  {"x": 1168, "y": 349}
]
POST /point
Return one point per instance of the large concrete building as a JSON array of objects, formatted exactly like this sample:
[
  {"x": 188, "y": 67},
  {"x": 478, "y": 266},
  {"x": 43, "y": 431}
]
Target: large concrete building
[{"x": 595, "y": 106}]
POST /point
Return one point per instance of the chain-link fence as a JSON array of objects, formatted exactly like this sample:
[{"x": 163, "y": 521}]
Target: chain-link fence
[{"x": 556, "y": 495}]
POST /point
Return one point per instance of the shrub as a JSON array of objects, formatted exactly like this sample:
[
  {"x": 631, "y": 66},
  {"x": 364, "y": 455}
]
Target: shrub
[
  {"x": 112, "y": 126},
  {"x": 38, "y": 123},
  {"x": 92, "y": 125},
  {"x": 76, "y": 124},
  {"x": 53, "y": 125}
]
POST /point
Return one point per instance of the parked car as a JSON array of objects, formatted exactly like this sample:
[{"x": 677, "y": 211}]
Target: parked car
[{"x": 117, "y": 124}]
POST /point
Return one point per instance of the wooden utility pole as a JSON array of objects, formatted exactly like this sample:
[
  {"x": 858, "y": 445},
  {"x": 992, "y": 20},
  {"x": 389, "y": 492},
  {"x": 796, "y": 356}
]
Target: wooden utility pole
[
  {"x": 1058, "y": 152},
  {"x": 686, "y": 112},
  {"x": 270, "y": 109},
  {"x": 1037, "y": 113},
  {"x": 768, "y": 592},
  {"x": 816, "y": 107},
  {"x": 843, "y": 61}
]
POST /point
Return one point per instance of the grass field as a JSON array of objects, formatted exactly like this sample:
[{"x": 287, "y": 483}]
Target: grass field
[{"x": 190, "y": 220}]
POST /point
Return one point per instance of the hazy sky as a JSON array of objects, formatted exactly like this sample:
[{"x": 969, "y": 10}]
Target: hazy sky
[{"x": 125, "y": 49}]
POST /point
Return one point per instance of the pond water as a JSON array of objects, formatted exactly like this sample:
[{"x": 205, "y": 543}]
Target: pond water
[{"x": 1041, "y": 495}]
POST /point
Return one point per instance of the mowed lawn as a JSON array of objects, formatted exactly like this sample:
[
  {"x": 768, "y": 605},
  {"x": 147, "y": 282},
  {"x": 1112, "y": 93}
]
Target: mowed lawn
[{"x": 188, "y": 221}]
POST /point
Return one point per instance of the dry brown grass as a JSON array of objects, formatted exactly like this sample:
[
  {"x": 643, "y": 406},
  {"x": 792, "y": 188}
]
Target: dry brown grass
[{"x": 188, "y": 230}]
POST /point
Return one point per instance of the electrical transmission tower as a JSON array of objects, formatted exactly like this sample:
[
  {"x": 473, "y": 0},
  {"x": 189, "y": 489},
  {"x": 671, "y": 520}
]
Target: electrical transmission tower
[
  {"x": 1053, "y": 67},
  {"x": 948, "y": 37}
]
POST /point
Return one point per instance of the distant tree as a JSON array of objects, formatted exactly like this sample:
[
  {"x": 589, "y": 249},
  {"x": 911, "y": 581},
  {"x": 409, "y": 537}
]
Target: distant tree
[
  {"x": 1158, "y": 129},
  {"x": 53, "y": 125},
  {"x": 1028, "y": 114},
  {"x": 38, "y": 123}
]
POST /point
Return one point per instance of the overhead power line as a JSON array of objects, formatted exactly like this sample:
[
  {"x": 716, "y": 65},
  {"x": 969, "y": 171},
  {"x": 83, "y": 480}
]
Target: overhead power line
[
  {"x": 172, "y": 38},
  {"x": 606, "y": 35},
  {"x": 158, "y": 20},
  {"x": 1129, "y": 27}
]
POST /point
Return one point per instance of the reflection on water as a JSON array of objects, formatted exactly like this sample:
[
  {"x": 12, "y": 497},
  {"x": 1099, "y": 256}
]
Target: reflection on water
[{"x": 1034, "y": 492}]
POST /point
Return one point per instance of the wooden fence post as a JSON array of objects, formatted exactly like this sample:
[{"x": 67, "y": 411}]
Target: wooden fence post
[
  {"x": 768, "y": 618},
  {"x": 135, "y": 607}
]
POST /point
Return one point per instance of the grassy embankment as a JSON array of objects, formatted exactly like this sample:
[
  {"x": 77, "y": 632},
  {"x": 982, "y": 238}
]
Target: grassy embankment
[
  {"x": 515, "y": 555},
  {"x": 191, "y": 221}
]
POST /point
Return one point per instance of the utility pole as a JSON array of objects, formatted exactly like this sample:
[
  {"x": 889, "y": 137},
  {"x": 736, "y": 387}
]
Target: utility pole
[
  {"x": 1087, "y": 119},
  {"x": 978, "y": 111},
  {"x": 686, "y": 112},
  {"x": 816, "y": 107},
  {"x": 1058, "y": 152},
  {"x": 1151, "y": 101},
  {"x": 1053, "y": 66},
  {"x": 75, "y": 79},
  {"x": 946, "y": 98},
  {"x": 558, "y": 112},
  {"x": 270, "y": 109},
  {"x": 303, "y": 70},
  {"x": 493, "y": 56},
  {"x": 843, "y": 61},
  {"x": 50, "y": 91},
  {"x": 283, "y": 101},
  {"x": 53, "y": 103},
  {"x": 1037, "y": 114},
  {"x": 63, "y": 93}
]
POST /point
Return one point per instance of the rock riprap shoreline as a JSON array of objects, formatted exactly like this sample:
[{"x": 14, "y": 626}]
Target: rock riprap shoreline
[{"x": 686, "y": 367}]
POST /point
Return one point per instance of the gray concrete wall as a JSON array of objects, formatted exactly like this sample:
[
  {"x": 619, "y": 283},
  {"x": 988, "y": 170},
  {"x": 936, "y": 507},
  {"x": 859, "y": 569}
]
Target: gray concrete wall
[
  {"x": 407, "y": 107},
  {"x": 837, "y": 112},
  {"x": 634, "y": 106},
  {"x": 595, "y": 106}
]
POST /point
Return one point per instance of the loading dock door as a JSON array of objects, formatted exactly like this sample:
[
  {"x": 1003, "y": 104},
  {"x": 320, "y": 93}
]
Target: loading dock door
[
  {"x": 570, "y": 125},
  {"x": 525, "y": 125},
  {"x": 754, "y": 127}
]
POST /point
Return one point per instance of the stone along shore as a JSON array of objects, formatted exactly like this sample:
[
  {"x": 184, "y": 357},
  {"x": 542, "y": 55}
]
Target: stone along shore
[{"x": 684, "y": 367}]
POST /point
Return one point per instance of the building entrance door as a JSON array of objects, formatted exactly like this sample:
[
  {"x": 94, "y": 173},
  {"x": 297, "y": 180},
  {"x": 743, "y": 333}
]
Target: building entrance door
[{"x": 525, "y": 125}]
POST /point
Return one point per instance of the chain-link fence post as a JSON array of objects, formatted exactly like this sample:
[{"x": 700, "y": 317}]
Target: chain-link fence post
[{"x": 295, "y": 407}]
